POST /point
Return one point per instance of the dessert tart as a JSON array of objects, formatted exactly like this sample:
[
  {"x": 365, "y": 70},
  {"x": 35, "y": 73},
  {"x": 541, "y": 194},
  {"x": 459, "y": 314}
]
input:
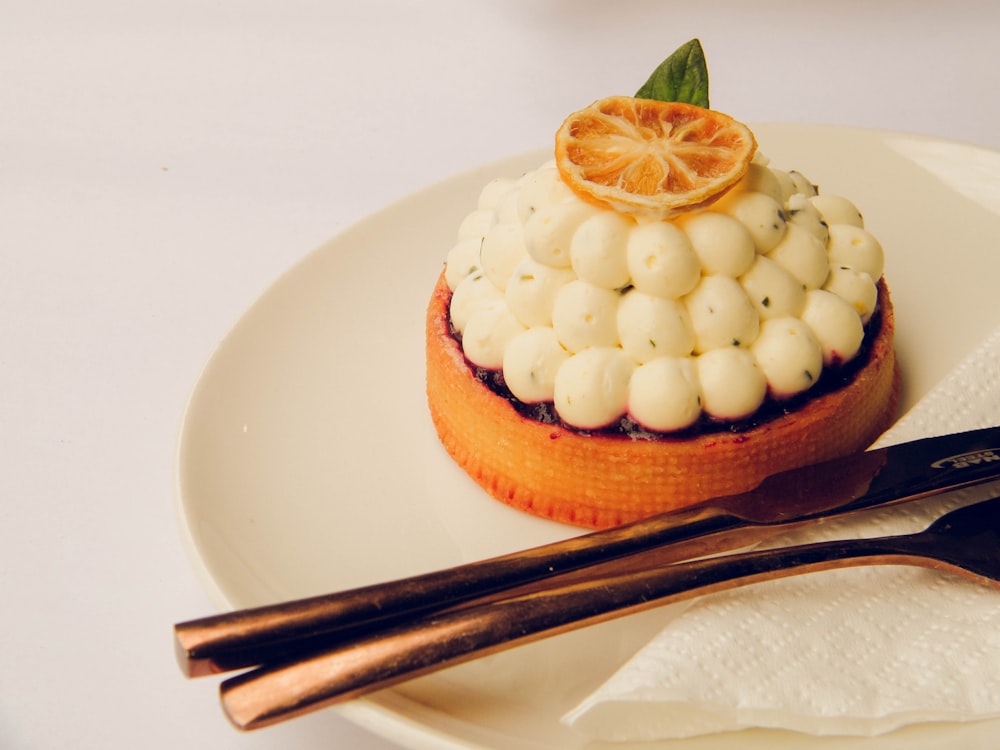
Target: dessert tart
[{"x": 655, "y": 317}]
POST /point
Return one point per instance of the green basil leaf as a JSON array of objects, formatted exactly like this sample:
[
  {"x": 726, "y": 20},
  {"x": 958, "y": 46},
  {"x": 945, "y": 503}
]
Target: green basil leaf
[{"x": 682, "y": 77}]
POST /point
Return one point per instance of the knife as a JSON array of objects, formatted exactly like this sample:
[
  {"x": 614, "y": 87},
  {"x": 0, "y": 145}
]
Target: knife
[{"x": 855, "y": 483}]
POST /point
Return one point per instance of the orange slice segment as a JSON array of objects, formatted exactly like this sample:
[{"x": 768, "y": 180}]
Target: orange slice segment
[{"x": 652, "y": 159}]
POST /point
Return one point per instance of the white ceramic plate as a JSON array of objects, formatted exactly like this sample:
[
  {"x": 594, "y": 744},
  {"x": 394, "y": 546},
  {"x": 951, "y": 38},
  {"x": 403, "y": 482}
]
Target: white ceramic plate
[{"x": 308, "y": 463}]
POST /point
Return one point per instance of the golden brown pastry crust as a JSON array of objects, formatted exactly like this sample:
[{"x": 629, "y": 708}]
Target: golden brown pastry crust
[{"x": 598, "y": 481}]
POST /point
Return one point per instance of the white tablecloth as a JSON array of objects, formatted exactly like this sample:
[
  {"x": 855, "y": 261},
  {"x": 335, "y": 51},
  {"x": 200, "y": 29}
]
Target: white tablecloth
[{"x": 162, "y": 162}]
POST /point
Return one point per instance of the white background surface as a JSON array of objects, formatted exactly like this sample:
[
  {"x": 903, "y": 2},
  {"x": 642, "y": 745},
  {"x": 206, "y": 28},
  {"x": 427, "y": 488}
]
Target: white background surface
[{"x": 162, "y": 162}]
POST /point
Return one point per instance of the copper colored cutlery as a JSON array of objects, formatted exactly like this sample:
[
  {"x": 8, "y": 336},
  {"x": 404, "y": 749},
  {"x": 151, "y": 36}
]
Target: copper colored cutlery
[{"x": 302, "y": 655}]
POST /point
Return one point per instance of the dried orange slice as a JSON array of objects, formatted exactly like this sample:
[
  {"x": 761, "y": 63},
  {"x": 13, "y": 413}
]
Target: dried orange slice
[{"x": 650, "y": 158}]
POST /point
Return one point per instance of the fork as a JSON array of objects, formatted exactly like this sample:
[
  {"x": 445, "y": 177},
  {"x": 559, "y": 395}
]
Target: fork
[{"x": 965, "y": 542}]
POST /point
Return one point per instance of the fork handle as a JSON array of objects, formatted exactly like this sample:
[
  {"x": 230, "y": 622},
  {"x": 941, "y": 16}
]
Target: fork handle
[{"x": 275, "y": 693}]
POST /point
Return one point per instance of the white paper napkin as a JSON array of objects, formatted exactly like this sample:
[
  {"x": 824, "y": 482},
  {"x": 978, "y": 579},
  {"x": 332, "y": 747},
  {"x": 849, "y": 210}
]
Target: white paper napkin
[{"x": 851, "y": 652}]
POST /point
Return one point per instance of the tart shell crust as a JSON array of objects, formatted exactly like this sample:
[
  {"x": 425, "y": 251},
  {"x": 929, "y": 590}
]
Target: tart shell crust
[{"x": 599, "y": 481}]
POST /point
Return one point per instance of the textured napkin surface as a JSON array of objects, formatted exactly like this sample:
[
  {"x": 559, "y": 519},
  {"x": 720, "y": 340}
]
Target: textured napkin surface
[{"x": 850, "y": 652}]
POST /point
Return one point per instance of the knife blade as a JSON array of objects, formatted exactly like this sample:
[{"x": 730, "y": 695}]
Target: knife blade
[{"x": 855, "y": 483}]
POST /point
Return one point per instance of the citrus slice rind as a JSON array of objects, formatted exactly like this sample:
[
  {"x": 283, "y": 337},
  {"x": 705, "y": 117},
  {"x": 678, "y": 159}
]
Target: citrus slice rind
[{"x": 651, "y": 159}]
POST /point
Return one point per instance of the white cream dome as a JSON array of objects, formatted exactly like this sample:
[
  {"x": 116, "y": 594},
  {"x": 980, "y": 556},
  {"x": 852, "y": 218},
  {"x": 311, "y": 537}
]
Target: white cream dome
[{"x": 661, "y": 321}]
